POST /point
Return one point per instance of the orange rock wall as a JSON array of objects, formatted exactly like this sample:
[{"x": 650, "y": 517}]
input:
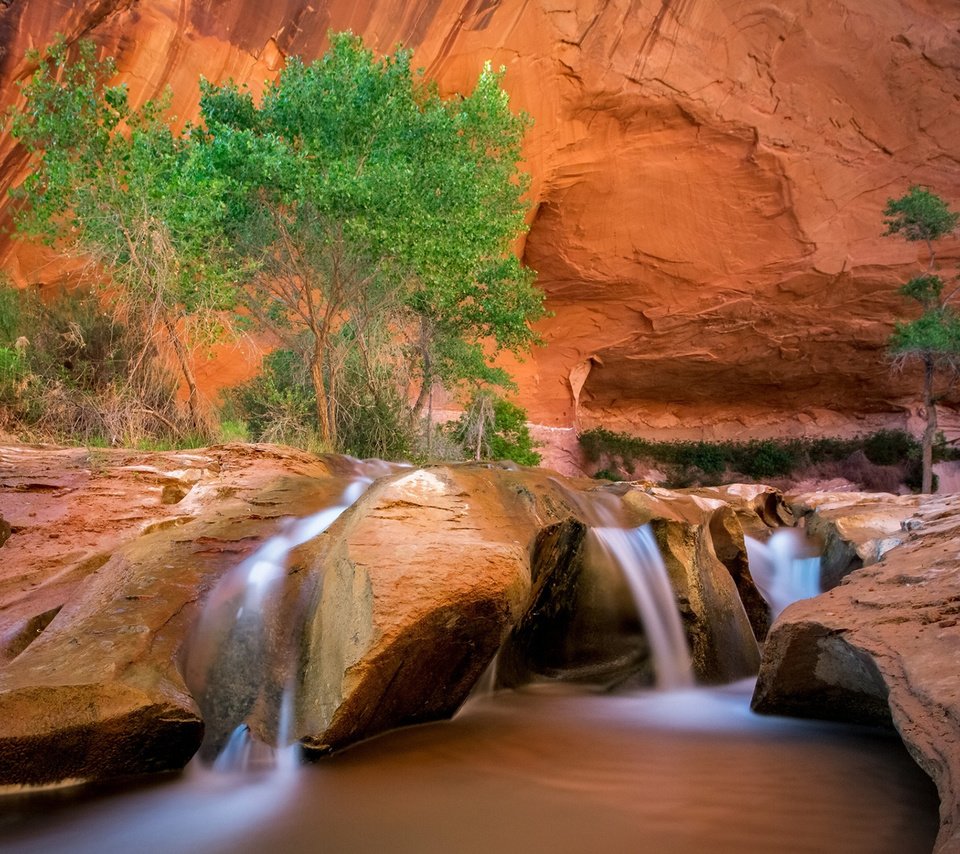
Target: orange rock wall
[{"x": 708, "y": 179}]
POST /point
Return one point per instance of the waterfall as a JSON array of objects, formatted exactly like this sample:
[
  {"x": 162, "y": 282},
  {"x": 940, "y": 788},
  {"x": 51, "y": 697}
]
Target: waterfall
[
  {"x": 242, "y": 641},
  {"x": 783, "y": 569},
  {"x": 615, "y": 550},
  {"x": 635, "y": 553}
]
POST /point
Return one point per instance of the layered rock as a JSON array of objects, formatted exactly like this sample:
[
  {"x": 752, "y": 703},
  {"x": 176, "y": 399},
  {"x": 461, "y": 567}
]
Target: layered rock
[
  {"x": 708, "y": 180},
  {"x": 856, "y": 529},
  {"x": 883, "y": 645}
]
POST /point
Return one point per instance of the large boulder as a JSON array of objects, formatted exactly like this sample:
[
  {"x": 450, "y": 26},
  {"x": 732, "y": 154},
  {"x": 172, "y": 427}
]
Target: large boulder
[
  {"x": 882, "y": 646},
  {"x": 415, "y": 591},
  {"x": 93, "y": 688}
]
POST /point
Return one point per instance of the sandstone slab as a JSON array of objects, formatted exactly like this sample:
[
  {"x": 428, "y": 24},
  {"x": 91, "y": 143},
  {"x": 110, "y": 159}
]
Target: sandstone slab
[
  {"x": 856, "y": 528},
  {"x": 93, "y": 687}
]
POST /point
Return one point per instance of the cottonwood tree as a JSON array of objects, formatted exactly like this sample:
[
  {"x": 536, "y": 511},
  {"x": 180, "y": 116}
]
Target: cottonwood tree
[
  {"x": 933, "y": 338},
  {"x": 378, "y": 219},
  {"x": 117, "y": 186}
]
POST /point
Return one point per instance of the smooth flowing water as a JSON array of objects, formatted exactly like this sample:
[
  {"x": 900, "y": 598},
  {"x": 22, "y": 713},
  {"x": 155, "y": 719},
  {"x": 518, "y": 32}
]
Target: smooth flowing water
[
  {"x": 634, "y": 552},
  {"x": 556, "y": 771},
  {"x": 235, "y": 654},
  {"x": 783, "y": 568}
]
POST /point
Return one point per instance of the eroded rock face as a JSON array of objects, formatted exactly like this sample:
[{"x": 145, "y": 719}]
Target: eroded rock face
[
  {"x": 403, "y": 601},
  {"x": 708, "y": 180},
  {"x": 883, "y": 647},
  {"x": 101, "y": 583},
  {"x": 856, "y": 529}
]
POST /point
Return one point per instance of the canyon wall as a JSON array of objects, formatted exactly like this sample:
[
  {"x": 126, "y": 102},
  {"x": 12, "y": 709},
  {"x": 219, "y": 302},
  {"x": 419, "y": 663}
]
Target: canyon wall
[{"x": 708, "y": 179}]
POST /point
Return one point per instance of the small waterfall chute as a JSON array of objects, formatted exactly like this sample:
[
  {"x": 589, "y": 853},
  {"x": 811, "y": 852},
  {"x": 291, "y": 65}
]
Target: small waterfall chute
[
  {"x": 604, "y": 611},
  {"x": 635, "y": 553},
  {"x": 783, "y": 568},
  {"x": 242, "y": 649}
]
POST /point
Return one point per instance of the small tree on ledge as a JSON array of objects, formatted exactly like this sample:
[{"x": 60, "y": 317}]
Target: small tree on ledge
[{"x": 933, "y": 338}]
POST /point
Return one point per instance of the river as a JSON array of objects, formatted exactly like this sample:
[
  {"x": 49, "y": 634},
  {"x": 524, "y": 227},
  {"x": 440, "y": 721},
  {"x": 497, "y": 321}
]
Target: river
[{"x": 543, "y": 769}]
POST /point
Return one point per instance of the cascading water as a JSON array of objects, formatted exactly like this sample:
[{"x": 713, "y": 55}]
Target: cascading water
[
  {"x": 783, "y": 568},
  {"x": 635, "y": 553},
  {"x": 240, "y": 654},
  {"x": 607, "y": 614}
]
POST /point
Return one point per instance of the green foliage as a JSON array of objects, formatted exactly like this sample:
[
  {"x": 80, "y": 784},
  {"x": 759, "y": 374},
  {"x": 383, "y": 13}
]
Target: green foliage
[
  {"x": 889, "y": 447},
  {"x": 926, "y": 289},
  {"x": 277, "y": 404},
  {"x": 492, "y": 428},
  {"x": 362, "y": 200},
  {"x": 65, "y": 374},
  {"x": 708, "y": 463},
  {"x": 511, "y": 439},
  {"x": 353, "y": 213},
  {"x": 935, "y": 335},
  {"x": 118, "y": 186},
  {"x": 933, "y": 338},
  {"x": 919, "y": 215}
]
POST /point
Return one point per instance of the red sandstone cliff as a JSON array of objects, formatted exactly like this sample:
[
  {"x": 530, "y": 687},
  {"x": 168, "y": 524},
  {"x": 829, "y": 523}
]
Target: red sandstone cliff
[{"x": 708, "y": 178}]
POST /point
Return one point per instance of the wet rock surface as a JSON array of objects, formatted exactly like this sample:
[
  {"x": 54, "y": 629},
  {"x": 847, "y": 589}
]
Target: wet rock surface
[
  {"x": 403, "y": 601},
  {"x": 882, "y": 646},
  {"x": 92, "y": 687}
]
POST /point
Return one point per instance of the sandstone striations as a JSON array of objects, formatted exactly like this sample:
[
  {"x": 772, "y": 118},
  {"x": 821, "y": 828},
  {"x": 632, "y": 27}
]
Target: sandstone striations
[{"x": 708, "y": 179}]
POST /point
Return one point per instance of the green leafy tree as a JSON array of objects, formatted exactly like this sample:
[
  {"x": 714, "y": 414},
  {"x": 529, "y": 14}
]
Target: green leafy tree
[
  {"x": 117, "y": 186},
  {"x": 378, "y": 220},
  {"x": 933, "y": 338},
  {"x": 494, "y": 428}
]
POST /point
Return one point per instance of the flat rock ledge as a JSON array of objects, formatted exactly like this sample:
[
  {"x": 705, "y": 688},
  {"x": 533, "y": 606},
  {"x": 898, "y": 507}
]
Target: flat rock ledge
[{"x": 884, "y": 645}]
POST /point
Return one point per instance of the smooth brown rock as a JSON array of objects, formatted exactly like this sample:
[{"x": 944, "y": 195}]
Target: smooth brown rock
[
  {"x": 708, "y": 182},
  {"x": 883, "y": 646},
  {"x": 94, "y": 686},
  {"x": 856, "y": 528},
  {"x": 417, "y": 590}
]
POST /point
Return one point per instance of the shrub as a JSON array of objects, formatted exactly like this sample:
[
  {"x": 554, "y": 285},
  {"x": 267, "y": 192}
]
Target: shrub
[
  {"x": 69, "y": 372},
  {"x": 889, "y": 447},
  {"x": 494, "y": 429},
  {"x": 880, "y": 461}
]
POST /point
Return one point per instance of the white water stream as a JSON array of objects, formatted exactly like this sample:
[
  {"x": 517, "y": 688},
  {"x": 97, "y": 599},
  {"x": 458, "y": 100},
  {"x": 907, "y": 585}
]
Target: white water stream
[
  {"x": 249, "y": 598},
  {"x": 635, "y": 553},
  {"x": 783, "y": 568}
]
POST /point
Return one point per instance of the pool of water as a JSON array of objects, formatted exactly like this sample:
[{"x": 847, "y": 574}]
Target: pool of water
[{"x": 544, "y": 769}]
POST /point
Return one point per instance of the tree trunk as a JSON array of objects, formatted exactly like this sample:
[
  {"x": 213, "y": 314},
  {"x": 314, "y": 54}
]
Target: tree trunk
[
  {"x": 930, "y": 431},
  {"x": 183, "y": 359},
  {"x": 430, "y": 423},
  {"x": 426, "y": 370},
  {"x": 328, "y": 431}
]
